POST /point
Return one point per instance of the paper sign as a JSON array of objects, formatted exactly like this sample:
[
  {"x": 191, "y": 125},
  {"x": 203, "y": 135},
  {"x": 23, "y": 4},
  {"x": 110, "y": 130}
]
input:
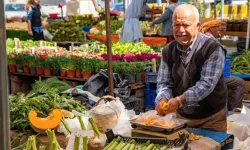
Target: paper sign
[{"x": 81, "y": 134}]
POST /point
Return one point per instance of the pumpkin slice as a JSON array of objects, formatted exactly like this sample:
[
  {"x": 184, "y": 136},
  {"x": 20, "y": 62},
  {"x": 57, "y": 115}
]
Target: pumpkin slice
[{"x": 50, "y": 122}]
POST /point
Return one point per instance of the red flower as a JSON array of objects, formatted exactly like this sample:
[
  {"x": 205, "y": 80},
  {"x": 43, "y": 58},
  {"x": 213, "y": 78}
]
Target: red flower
[{"x": 60, "y": 5}]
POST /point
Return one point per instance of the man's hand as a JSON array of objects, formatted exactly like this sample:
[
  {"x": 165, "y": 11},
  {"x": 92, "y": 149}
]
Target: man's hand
[
  {"x": 173, "y": 105},
  {"x": 160, "y": 107},
  {"x": 30, "y": 32}
]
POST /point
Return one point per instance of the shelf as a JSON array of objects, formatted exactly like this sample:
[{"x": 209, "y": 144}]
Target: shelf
[
  {"x": 44, "y": 76},
  {"x": 229, "y": 33}
]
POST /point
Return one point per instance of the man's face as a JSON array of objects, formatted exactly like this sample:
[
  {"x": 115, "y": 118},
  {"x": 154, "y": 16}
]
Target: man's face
[
  {"x": 36, "y": 2},
  {"x": 215, "y": 31},
  {"x": 185, "y": 27}
]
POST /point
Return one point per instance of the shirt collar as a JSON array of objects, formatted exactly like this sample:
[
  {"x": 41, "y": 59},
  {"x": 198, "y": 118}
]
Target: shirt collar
[{"x": 180, "y": 48}]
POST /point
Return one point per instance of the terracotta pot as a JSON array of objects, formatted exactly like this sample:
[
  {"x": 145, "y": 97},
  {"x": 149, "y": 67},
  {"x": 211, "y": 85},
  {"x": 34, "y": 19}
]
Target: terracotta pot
[
  {"x": 86, "y": 75},
  {"x": 63, "y": 73},
  {"x": 143, "y": 76},
  {"x": 26, "y": 69},
  {"x": 78, "y": 74},
  {"x": 12, "y": 68},
  {"x": 39, "y": 71},
  {"x": 47, "y": 72},
  {"x": 71, "y": 73}
]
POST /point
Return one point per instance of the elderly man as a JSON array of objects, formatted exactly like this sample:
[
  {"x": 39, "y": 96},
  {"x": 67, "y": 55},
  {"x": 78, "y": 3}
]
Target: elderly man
[
  {"x": 212, "y": 27},
  {"x": 190, "y": 79}
]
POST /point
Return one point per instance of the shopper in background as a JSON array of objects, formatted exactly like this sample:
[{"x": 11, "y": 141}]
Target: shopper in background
[
  {"x": 235, "y": 85},
  {"x": 190, "y": 79},
  {"x": 166, "y": 20},
  {"x": 35, "y": 27}
]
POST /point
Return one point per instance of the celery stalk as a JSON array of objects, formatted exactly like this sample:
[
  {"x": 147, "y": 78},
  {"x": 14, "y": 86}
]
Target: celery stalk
[
  {"x": 94, "y": 127},
  {"x": 34, "y": 143},
  {"x": 76, "y": 143},
  {"x": 85, "y": 143},
  {"x": 66, "y": 125},
  {"x": 81, "y": 122}
]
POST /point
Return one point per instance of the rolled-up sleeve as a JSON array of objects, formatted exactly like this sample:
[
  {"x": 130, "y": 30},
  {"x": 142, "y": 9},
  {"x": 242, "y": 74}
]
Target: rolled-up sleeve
[
  {"x": 30, "y": 13},
  {"x": 164, "y": 82},
  {"x": 210, "y": 75}
]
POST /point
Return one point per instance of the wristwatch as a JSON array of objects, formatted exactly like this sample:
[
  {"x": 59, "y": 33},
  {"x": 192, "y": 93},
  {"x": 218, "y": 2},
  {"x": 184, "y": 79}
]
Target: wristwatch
[{"x": 179, "y": 101}]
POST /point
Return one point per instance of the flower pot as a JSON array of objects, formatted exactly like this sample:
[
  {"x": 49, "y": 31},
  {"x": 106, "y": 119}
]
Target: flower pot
[
  {"x": 12, "y": 68},
  {"x": 78, "y": 74},
  {"x": 39, "y": 71},
  {"x": 33, "y": 70},
  {"x": 86, "y": 75},
  {"x": 71, "y": 73},
  {"x": 47, "y": 72},
  {"x": 55, "y": 72},
  {"x": 138, "y": 77},
  {"x": 19, "y": 68},
  {"x": 26, "y": 69},
  {"x": 131, "y": 78},
  {"x": 143, "y": 76},
  {"x": 63, "y": 73}
]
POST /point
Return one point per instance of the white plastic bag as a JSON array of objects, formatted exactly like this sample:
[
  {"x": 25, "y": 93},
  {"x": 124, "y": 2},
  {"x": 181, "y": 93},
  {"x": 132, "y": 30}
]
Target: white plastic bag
[{"x": 47, "y": 36}]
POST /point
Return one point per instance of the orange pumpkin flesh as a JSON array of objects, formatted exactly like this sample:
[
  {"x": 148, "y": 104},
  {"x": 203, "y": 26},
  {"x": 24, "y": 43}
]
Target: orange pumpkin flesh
[{"x": 50, "y": 122}]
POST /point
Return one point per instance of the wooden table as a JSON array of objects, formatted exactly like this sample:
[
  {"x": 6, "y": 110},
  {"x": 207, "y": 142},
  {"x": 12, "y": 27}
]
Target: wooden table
[{"x": 150, "y": 41}]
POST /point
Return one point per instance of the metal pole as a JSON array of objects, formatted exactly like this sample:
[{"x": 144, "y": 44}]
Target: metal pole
[
  {"x": 109, "y": 49},
  {"x": 4, "y": 103},
  {"x": 215, "y": 9},
  {"x": 248, "y": 28},
  {"x": 222, "y": 9}
]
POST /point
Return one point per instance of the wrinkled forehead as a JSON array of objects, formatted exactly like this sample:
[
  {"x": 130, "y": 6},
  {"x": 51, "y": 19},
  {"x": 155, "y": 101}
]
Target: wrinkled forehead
[{"x": 183, "y": 15}]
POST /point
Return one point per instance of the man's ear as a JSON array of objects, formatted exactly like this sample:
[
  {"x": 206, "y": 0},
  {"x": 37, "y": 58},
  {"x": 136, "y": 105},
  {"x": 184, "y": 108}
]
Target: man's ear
[{"x": 198, "y": 24}]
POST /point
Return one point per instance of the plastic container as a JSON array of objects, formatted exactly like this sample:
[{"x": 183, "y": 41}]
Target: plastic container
[
  {"x": 86, "y": 28},
  {"x": 151, "y": 77},
  {"x": 53, "y": 15},
  {"x": 150, "y": 96},
  {"x": 226, "y": 71}
]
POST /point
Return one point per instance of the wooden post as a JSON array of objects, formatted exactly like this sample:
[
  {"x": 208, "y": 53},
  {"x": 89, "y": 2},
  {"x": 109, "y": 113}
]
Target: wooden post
[
  {"x": 4, "y": 103},
  {"x": 109, "y": 49}
]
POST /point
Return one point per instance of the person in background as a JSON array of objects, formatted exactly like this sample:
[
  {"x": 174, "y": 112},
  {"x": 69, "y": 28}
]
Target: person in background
[
  {"x": 212, "y": 28},
  {"x": 35, "y": 27},
  {"x": 190, "y": 80},
  {"x": 166, "y": 20}
]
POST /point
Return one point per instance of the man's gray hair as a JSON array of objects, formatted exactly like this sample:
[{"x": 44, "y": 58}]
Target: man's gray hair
[{"x": 190, "y": 7}]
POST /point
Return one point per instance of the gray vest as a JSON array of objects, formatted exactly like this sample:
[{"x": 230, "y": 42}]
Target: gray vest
[{"x": 183, "y": 80}]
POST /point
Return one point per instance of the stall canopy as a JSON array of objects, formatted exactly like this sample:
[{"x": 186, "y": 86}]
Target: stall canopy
[{"x": 131, "y": 30}]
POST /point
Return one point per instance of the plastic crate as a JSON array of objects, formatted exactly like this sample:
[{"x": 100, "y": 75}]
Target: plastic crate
[
  {"x": 134, "y": 103},
  {"x": 150, "y": 96},
  {"x": 170, "y": 143},
  {"x": 241, "y": 46},
  {"x": 226, "y": 70},
  {"x": 151, "y": 77}
]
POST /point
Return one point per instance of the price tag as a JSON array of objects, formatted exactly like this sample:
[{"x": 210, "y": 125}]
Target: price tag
[{"x": 79, "y": 133}]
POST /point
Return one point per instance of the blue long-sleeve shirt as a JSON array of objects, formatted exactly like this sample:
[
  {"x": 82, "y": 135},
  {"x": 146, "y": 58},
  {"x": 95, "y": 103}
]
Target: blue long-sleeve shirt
[
  {"x": 210, "y": 75},
  {"x": 37, "y": 29}
]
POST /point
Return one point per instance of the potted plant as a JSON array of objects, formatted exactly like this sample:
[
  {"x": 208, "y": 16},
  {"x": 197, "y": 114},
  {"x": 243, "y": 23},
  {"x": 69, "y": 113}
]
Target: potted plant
[
  {"x": 55, "y": 65},
  {"x": 39, "y": 66},
  {"x": 32, "y": 64},
  {"x": 99, "y": 64},
  {"x": 25, "y": 61},
  {"x": 140, "y": 68},
  {"x": 87, "y": 68},
  {"x": 47, "y": 66},
  {"x": 19, "y": 66},
  {"x": 63, "y": 65},
  {"x": 130, "y": 70},
  {"x": 12, "y": 63},
  {"x": 70, "y": 69},
  {"x": 78, "y": 66}
]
